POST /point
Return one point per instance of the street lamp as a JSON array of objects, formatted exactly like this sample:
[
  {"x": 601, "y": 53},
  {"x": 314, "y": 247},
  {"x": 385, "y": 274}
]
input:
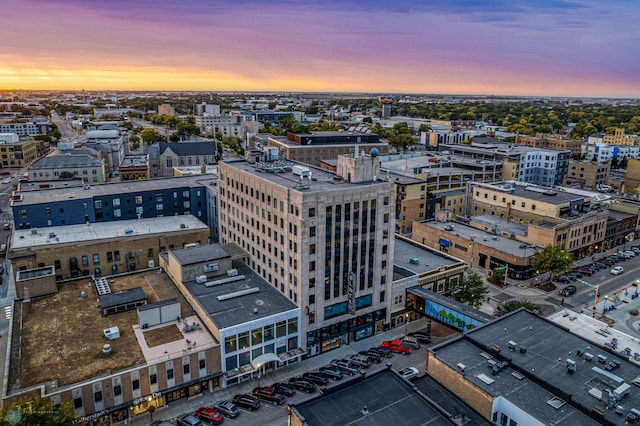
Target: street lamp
[
  {"x": 406, "y": 323},
  {"x": 259, "y": 373},
  {"x": 604, "y": 309}
]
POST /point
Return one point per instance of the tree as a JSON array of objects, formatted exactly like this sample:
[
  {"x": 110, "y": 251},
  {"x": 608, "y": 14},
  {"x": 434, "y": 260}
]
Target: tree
[
  {"x": 513, "y": 305},
  {"x": 367, "y": 120},
  {"x": 149, "y": 135},
  {"x": 424, "y": 128},
  {"x": 134, "y": 142},
  {"x": 554, "y": 260},
  {"x": 311, "y": 109},
  {"x": 473, "y": 291},
  {"x": 37, "y": 411}
]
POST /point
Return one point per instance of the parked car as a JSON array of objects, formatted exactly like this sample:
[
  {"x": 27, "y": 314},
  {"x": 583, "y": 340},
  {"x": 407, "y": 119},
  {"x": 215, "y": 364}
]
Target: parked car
[
  {"x": 346, "y": 367},
  {"x": 607, "y": 262},
  {"x": 315, "y": 378},
  {"x": 247, "y": 401},
  {"x": 228, "y": 408},
  {"x": 373, "y": 356},
  {"x": 209, "y": 415},
  {"x": 189, "y": 420},
  {"x": 563, "y": 279},
  {"x": 409, "y": 373},
  {"x": 412, "y": 341},
  {"x": 585, "y": 271},
  {"x": 385, "y": 352},
  {"x": 268, "y": 394},
  {"x": 301, "y": 384},
  {"x": 568, "y": 290},
  {"x": 334, "y": 372},
  {"x": 616, "y": 270},
  {"x": 396, "y": 346},
  {"x": 359, "y": 360},
  {"x": 420, "y": 337},
  {"x": 575, "y": 275},
  {"x": 284, "y": 389}
]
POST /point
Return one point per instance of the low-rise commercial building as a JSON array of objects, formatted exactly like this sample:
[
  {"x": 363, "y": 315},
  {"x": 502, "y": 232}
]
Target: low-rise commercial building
[
  {"x": 104, "y": 249},
  {"x": 260, "y": 327}
]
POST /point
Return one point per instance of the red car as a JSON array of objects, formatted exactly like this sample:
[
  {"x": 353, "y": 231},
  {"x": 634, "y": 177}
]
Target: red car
[
  {"x": 209, "y": 415},
  {"x": 396, "y": 346}
]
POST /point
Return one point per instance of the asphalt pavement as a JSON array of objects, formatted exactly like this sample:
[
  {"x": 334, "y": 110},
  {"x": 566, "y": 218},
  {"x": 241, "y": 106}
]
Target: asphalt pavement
[{"x": 269, "y": 414}]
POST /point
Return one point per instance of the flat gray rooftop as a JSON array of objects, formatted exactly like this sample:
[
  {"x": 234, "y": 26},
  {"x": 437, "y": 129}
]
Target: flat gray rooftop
[
  {"x": 537, "y": 193},
  {"x": 65, "y": 193},
  {"x": 324, "y": 179},
  {"x": 67, "y": 234},
  {"x": 199, "y": 254},
  {"x": 467, "y": 232},
  {"x": 389, "y": 399},
  {"x": 543, "y": 368},
  {"x": 428, "y": 259},
  {"x": 239, "y": 310}
]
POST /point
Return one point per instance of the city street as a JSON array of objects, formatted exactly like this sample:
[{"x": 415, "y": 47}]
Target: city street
[{"x": 276, "y": 415}]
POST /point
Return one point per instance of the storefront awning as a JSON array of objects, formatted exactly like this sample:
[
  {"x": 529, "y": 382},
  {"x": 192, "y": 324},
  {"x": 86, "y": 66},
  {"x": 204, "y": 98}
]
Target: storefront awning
[
  {"x": 263, "y": 359},
  {"x": 293, "y": 353},
  {"x": 443, "y": 242}
]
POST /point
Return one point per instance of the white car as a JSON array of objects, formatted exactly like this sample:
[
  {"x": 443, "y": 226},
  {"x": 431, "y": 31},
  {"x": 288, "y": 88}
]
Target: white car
[
  {"x": 617, "y": 270},
  {"x": 630, "y": 253},
  {"x": 6, "y": 181},
  {"x": 409, "y": 373}
]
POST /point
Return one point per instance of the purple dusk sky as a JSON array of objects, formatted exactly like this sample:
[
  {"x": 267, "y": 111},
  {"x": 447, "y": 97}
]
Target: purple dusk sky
[{"x": 543, "y": 47}]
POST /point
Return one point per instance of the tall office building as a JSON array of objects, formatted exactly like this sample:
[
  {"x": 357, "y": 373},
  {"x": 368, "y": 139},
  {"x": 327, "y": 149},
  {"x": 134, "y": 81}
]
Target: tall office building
[{"x": 323, "y": 239}]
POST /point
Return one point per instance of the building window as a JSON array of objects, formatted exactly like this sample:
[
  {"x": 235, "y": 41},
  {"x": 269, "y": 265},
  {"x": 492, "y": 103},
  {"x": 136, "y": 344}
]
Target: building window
[
  {"x": 57, "y": 264},
  {"x": 201, "y": 364},
  {"x": 97, "y": 396},
  {"x": 117, "y": 390},
  {"x": 159, "y": 207},
  {"x": 138, "y": 199},
  {"x": 116, "y": 202},
  {"x": 135, "y": 384},
  {"x": 186, "y": 368},
  {"x": 96, "y": 258},
  {"x": 312, "y": 212},
  {"x": 97, "y": 204},
  {"x": 85, "y": 260},
  {"x": 77, "y": 403},
  {"x": 170, "y": 374},
  {"x": 153, "y": 379},
  {"x": 116, "y": 255},
  {"x": 117, "y": 213}
]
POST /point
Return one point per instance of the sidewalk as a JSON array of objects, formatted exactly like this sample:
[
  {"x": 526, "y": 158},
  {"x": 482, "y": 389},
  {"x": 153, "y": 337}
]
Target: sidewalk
[{"x": 177, "y": 408}]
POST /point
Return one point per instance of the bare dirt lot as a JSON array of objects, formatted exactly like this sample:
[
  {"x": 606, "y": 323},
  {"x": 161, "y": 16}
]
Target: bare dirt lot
[{"x": 62, "y": 335}]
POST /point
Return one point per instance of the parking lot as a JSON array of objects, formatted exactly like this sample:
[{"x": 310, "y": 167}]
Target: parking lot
[{"x": 270, "y": 414}]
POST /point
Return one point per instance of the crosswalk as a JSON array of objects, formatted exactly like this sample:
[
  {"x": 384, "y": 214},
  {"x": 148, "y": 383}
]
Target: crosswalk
[{"x": 8, "y": 311}]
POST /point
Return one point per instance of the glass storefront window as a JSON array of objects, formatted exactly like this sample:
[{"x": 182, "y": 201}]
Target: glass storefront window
[
  {"x": 268, "y": 333},
  {"x": 256, "y": 353},
  {"x": 281, "y": 329},
  {"x": 230, "y": 344},
  {"x": 269, "y": 349},
  {"x": 243, "y": 340},
  {"x": 244, "y": 358},
  {"x": 256, "y": 336},
  {"x": 231, "y": 362},
  {"x": 293, "y": 325}
]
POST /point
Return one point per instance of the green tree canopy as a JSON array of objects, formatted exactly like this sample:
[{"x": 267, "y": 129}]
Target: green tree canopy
[
  {"x": 473, "y": 291},
  {"x": 555, "y": 260},
  {"x": 149, "y": 135},
  {"x": 513, "y": 305}
]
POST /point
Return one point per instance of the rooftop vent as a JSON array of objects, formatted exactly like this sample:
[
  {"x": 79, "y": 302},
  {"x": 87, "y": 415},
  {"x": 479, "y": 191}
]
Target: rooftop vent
[{"x": 106, "y": 349}]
